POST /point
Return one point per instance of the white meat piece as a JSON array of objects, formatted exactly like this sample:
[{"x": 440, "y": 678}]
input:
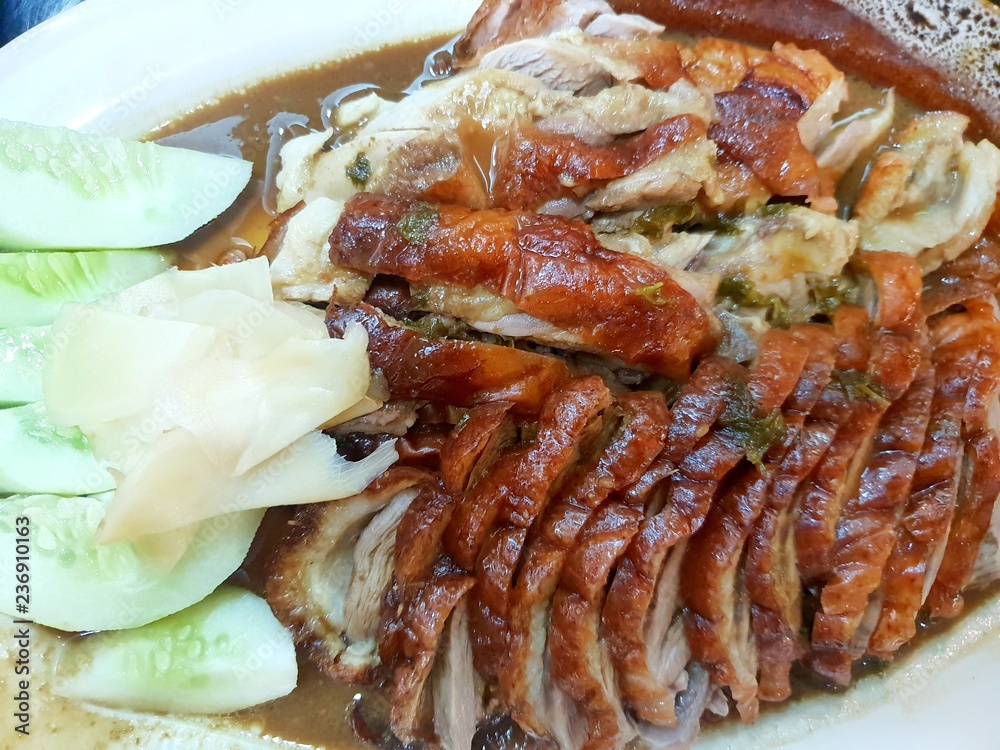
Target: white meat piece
[
  {"x": 781, "y": 251},
  {"x": 931, "y": 195}
]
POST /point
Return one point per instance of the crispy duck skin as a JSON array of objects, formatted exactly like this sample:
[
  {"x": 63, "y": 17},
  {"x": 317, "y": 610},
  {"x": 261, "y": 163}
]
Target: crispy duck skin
[
  {"x": 976, "y": 498},
  {"x": 771, "y": 571},
  {"x": 299, "y": 586},
  {"x": 473, "y": 445},
  {"x": 471, "y": 450},
  {"x": 690, "y": 494},
  {"x": 579, "y": 664},
  {"x": 491, "y": 598},
  {"x": 516, "y": 489},
  {"x": 457, "y": 373},
  {"x": 897, "y": 346},
  {"x": 551, "y": 268},
  {"x": 972, "y": 274},
  {"x": 584, "y": 668},
  {"x": 533, "y": 167},
  {"x": 417, "y": 554},
  {"x": 430, "y": 606},
  {"x": 956, "y": 345},
  {"x": 710, "y": 566},
  {"x": 972, "y": 521},
  {"x": 758, "y": 127},
  {"x": 571, "y": 416},
  {"x": 426, "y": 586},
  {"x": 866, "y": 532},
  {"x": 638, "y": 440}
]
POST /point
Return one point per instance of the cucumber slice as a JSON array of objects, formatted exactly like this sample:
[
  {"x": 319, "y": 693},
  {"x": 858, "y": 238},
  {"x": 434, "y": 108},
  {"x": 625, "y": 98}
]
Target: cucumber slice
[
  {"x": 22, "y": 352},
  {"x": 224, "y": 654},
  {"x": 78, "y": 585},
  {"x": 39, "y": 457},
  {"x": 62, "y": 190},
  {"x": 33, "y": 286}
]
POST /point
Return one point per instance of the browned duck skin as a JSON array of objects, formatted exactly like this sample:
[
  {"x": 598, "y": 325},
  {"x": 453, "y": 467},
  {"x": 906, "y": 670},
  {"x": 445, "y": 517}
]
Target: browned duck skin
[
  {"x": 690, "y": 492},
  {"x": 516, "y": 489},
  {"x": 430, "y": 607},
  {"x": 758, "y": 128},
  {"x": 474, "y": 445},
  {"x": 962, "y": 347},
  {"x": 533, "y": 167},
  {"x": 638, "y": 440},
  {"x": 972, "y": 274},
  {"x": 896, "y": 351},
  {"x": 580, "y": 664},
  {"x": 549, "y": 267},
  {"x": 717, "y": 618},
  {"x": 426, "y": 586},
  {"x": 590, "y": 681},
  {"x": 490, "y": 528},
  {"x": 418, "y": 557},
  {"x": 866, "y": 532},
  {"x": 977, "y": 496},
  {"x": 771, "y": 570},
  {"x": 417, "y": 561},
  {"x": 456, "y": 373},
  {"x": 334, "y": 617}
]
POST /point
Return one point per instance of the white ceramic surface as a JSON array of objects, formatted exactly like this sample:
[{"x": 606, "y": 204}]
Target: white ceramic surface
[{"x": 125, "y": 66}]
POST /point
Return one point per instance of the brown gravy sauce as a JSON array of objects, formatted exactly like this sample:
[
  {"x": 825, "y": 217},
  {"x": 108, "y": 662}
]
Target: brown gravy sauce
[{"x": 316, "y": 713}]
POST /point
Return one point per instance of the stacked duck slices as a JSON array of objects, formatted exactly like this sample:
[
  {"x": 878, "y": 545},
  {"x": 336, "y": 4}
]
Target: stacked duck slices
[{"x": 668, "y": 426}]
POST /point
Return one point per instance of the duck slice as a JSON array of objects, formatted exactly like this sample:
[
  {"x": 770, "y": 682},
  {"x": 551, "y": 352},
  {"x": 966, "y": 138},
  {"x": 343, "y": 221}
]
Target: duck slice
[
  {"x": 600, "y": 546},
  {"x": 326, "y": 583},
  {"x": 750, "y": 423},
  {"x": 456, "y": 691},
  {"x": 718, "y": 607},
  {"x": 923, "y": 531},
  {"x": 895, "y": 357},
  {"x": 550, "y": 267},
  {"x": 977, "y": 498},
  {"x": 758, "y": 127},
  {"x": 972, "y": 274},
  {"x": 499, "y": 22},
  {"x": 637, "y": 441},
  {"x": 580, "y": 664},
  {"x": 533, "y": 168},
  {"x": 771, "y": 571},
  {"x": 570, "y": 431},
  {"x": 454, "y": 373},
  {"x": 519, "y": 485},
  {"x": 430, "y": 607},
  {"x": 866, "y": 531},
  {"x": 581, "y": 62}
]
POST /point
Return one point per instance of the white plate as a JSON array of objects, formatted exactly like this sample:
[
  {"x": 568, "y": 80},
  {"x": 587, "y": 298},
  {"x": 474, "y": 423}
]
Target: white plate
[{"x": 126, "y": 66}]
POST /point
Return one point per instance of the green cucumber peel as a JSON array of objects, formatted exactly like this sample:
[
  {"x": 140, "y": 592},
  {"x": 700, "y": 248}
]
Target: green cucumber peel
[{"x": 63, "y": 190}]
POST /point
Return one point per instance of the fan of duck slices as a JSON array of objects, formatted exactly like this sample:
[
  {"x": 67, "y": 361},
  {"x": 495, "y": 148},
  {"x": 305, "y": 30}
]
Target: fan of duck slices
[{"x": 671, "y": 417}]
